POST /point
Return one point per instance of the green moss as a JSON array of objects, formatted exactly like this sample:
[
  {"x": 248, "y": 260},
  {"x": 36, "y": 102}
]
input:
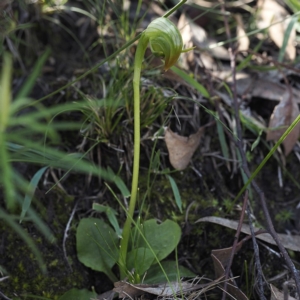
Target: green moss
[
  {"x": 161, "y": 200},
  {"x": 25, "y": 276}
]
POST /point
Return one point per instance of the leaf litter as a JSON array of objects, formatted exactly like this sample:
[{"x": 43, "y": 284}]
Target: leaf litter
[
  {"x": 272, "y": 13},
  {"x": 168, "y": 290},
  {"x": 181, "y": 148},
  {"x": 291, "y": 242},
  {"x": 283, "y": 116},
  {"x": 276, "y": 294}
]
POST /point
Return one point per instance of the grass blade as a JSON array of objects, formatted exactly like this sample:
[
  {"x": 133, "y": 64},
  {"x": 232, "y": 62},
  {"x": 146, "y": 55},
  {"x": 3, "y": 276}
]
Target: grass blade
[
  {"x": 278, "y": 143},
  {"x": 30, "y": 82},
  {"x": 175, "y": 192},
  {"x": 222, "y": 139},
  {"x": 195, "y": 84},
  {"x": 30, "y": 193},
  {"x": 5, "y": 101}
]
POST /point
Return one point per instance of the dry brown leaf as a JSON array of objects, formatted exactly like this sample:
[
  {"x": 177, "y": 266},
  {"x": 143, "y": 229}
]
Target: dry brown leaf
[
  {"x": 187, "y": 35},
  {"x": 271, "y": 12},
  {"x": 181, "y": 148},
  {"x": 201, "y": 40},
  {"x": 278, "y": 295},
  {"x": 224, "y": 254},
  {"x": 109, "y": 295},
  {"x": 291, "y": 242},
  {"x": 283, "y": 115},
  {"x": 231, "y": 288},
  {"x": 262, "y": 86}
]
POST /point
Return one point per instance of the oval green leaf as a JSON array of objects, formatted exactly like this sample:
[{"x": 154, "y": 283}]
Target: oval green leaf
[
  {"x": 97, "y": 245},
  {"x": 162, "y": 238}
]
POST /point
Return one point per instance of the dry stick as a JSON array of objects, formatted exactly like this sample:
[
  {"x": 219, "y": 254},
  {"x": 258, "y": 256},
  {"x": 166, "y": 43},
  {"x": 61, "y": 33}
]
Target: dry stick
[
  {"x": 236, "y": 238},
  {"x": 257, "y": 263},
  {"x": 66, "y": 234},
  {"x": 239, "y": 142},
  {"x": 239, "y": 145},
  {"x": 270, "y": 226}
]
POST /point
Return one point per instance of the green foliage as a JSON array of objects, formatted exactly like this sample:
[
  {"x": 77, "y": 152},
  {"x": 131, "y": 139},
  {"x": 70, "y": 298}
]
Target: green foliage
[
  {"x": 284, "y": 215},
  {"x": 271, "y": 152},
  {"x": 162, "y": 238},
  {"x": 175, "y": 192},
  {"x": 165, "y": 41},
  {"x": 229, "y": 204},
  {"x": 29, "y": 132},
  {"x": 76, "y": 294},
  {"x": 25, "y": 137},
  {"x": 111, "y": 215},
  {"x": 32, "y": 187},
  {"x": 294, "y": 5},
  {"x": 195, "y": 84},
  {"x": 174, "y": 272},
  {"x": 98, "y": 247},
  {"x": 96, "y": 244}
]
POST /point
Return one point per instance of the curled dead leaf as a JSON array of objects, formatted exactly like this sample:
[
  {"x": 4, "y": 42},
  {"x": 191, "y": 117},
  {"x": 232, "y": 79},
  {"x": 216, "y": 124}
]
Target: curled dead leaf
[
  {"x": 283, "y": 116},
  {"x": 223, "y": 255},
  {"x": 233, "y": 290},
  {"x": 181, "y": 148}
]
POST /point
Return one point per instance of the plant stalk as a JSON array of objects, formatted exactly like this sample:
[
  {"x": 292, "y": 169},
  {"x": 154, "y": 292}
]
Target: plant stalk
[{"x": 139, "y": 55}]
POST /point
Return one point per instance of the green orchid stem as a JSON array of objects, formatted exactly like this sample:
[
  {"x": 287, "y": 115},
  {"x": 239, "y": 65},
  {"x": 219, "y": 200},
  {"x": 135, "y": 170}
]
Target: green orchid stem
[
  {"x": 140, "y": 51},
  {"x": 173, "y": 9}
]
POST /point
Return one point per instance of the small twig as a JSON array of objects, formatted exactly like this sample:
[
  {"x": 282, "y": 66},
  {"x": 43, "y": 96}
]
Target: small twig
[
  {"x": 239, "y": 143},
  {"x": 236, "y": 238},
  {"x": 257, "y": 263},
  {"x": 66, "y": 233}
]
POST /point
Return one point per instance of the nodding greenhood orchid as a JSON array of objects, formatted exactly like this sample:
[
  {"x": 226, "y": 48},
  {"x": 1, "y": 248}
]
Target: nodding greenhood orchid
[{"x": 166, "y": 42}]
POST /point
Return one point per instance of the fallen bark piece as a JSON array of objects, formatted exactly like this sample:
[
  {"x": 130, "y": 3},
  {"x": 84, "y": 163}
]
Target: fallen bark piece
[{"x": 181, "y": 148}]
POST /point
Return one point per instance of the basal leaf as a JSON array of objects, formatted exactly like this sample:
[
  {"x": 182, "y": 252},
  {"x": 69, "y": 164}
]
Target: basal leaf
[
  {"x": 140, "y": 260},
  {"x": 97, "y": 245},
  {"x": 76, "y": 294},
  {"x": 163, "y": 238}
]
